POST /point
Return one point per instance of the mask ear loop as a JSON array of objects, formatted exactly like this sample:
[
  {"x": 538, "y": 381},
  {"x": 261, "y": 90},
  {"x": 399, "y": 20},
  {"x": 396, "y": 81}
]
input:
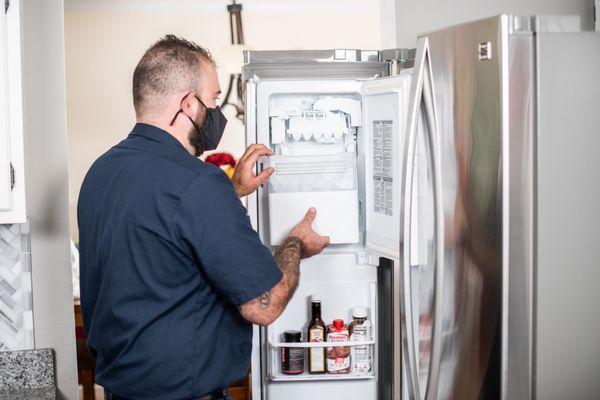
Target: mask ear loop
[
  {"x": 181, "y": 108},
  {"x": 174, "y": 118},
  {"x": 201, "y": 102}
]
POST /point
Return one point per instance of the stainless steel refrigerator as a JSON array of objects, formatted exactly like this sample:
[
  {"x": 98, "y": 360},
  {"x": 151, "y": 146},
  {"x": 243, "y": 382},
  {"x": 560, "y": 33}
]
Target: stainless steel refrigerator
[{"x": 458, "y": 186}]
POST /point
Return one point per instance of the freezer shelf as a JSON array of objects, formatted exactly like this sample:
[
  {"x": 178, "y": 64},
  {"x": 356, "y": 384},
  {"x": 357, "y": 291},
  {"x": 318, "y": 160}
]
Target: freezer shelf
[
  {"x": 322, "y": 344},
  {"x": 274, "y": 346},
  {"x": 305, "y": 376}
]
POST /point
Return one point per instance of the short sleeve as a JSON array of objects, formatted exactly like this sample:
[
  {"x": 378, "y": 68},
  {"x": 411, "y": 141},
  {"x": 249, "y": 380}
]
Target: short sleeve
[{"x": 214, "y": 224}]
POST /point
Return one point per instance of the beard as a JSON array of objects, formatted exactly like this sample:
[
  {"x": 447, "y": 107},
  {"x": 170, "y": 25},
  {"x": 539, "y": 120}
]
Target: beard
[{"x": 195, "y": 138}]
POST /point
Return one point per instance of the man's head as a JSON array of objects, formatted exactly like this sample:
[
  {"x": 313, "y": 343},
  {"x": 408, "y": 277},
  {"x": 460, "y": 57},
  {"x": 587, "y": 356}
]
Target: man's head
[{"x": 174, "y": 84}]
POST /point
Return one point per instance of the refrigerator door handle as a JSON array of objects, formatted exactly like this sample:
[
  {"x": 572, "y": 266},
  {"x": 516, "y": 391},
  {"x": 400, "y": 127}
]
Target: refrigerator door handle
[
  {"x": 422, "y": 100},
  {"x": 439, "y": 229},
  {"x": 406, "y": 309}
]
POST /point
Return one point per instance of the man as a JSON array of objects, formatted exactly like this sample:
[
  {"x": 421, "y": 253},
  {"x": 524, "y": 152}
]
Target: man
[{"x": 172, "y": 273}]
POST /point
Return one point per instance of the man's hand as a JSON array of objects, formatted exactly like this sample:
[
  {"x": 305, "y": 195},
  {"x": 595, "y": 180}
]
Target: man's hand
[
  {"x": 244, "y": 180},
  {"x": 312, "y": 242}
]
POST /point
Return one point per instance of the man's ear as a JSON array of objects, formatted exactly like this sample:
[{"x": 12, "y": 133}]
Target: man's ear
[{"x": 188, "y": 104}]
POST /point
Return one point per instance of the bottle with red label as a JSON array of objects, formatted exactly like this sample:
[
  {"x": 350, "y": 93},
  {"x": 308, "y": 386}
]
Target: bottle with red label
[{"x": 338, "y": 357}]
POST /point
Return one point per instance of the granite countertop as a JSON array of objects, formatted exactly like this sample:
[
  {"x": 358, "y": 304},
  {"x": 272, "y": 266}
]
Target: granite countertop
[
  {"x": 27, "y": 375},
  {"x": 29, "y": 394}
]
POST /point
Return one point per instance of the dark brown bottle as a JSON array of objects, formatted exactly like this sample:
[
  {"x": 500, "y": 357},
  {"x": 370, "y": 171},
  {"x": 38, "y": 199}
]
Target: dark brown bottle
[{"x": 316, "y": 333}]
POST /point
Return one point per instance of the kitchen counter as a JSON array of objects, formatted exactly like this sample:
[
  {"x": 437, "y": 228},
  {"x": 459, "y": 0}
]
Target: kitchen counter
[
  {"x": 29, "y": 394},
  {"x": 27, "y": 374}
]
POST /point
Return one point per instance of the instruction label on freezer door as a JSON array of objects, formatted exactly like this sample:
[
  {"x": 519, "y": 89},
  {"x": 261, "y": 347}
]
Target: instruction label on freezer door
[{"x": 383, "y": 180}]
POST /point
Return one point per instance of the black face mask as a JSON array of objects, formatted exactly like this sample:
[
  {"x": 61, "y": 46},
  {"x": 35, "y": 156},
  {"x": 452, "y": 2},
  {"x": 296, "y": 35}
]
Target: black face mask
[{"x": 209, "y": 135}]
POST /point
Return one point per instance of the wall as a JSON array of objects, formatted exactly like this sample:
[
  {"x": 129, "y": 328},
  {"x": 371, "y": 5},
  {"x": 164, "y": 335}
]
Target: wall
[
  {"x": 104, "y": 40},
  {"x": 415, "y": 17},
  {"x": 46, "y": 185}
]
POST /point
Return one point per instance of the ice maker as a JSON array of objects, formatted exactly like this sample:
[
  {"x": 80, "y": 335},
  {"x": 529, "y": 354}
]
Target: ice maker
[{"x": 313, "y": 137}]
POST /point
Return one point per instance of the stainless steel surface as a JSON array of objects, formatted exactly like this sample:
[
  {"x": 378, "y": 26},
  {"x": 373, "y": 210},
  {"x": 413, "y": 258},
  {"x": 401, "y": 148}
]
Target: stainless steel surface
[
  {"x": 470, "y": 99},
  {"x": 557, "y": 23},
  {"x": 517, "y": 307},
  {"x": 405, "y": 58},
  {"x": 567, "y": 326},
  {"x": 422, "y": 108},
  {"x": 334, "y": 64},
  {"x": 438, "y": 294},
  {"x": 398, "y": 353},
  {"x": 301, "y": 56},
  {"x": 406, "y": 197}
]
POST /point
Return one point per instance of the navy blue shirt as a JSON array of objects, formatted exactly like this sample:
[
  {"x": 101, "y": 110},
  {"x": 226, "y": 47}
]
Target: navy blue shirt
[{"x": 167, "y": 253}]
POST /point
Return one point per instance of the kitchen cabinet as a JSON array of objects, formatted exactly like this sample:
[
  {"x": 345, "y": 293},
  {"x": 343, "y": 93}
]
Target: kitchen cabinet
[{"x": 12, "y": 164}]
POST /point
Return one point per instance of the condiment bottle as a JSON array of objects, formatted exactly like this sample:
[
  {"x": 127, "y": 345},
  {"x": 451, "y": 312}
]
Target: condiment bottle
[
  {"x": 338, "y": 358},
  {"x": 292, "y": 358},
  {"x": 360, "y": 330},
  {"x": 316, "y": 333}
]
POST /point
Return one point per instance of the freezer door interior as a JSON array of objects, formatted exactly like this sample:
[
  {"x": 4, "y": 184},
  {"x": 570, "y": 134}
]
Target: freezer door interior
[
  {"x": 314, "y": 128},
  {"x": 385, "y": 107}
]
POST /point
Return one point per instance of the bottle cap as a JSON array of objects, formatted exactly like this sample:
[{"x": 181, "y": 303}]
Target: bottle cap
[
  {"x": 292, "y": 336},
  {"x": 338, "y": 324},
  {"x": 315, "y": 298},
  {"x": 360, "y": 312}
]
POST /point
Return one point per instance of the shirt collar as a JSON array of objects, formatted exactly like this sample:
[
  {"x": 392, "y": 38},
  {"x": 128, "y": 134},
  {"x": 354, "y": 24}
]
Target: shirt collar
[{"x": 156, "y": 134}]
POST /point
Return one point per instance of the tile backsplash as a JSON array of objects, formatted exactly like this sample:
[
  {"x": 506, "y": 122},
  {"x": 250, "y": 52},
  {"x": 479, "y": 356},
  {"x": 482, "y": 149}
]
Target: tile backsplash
[{"x": 16, "y": 317}]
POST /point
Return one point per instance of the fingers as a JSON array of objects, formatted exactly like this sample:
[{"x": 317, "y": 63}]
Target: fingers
[
  {"x": 263, "y": 176},
  {"x": 249, "y": 150},
  {"x": 310, "y": 215},
  {"x": 256, "y": 154},
  {"x": 253, "y": 152}
]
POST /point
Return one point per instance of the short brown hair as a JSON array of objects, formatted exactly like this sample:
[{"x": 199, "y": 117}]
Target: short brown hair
[{"x": 169, "y": 66}]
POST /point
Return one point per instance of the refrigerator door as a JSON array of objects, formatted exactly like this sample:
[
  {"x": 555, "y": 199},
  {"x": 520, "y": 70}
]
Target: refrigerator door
[
  {"x": 468, "y": 67},
  {"x": 421, "y": 222}
]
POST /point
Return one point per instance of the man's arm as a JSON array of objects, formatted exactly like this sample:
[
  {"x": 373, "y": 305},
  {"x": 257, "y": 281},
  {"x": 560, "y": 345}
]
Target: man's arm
[
  {"x": 302, "y": 242},
  {"x": 267, "y": 307}
]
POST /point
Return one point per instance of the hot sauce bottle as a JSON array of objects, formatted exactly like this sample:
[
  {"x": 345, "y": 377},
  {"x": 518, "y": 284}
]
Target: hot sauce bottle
[{"x": 316, "y": 333}]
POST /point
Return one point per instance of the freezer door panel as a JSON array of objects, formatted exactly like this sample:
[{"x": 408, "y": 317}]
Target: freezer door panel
[{"x": 385, "y": 107}]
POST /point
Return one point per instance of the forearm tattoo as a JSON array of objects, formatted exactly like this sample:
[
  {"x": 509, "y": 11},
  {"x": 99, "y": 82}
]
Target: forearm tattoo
[
  {"x": 288, "y": 257},
  {"x": 271, "y": 304},
  {"x": 264, "y": 300}
]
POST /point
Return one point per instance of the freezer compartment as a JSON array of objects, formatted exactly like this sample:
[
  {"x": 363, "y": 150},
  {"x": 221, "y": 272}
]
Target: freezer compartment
[{"x": 327, "y": 183}]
